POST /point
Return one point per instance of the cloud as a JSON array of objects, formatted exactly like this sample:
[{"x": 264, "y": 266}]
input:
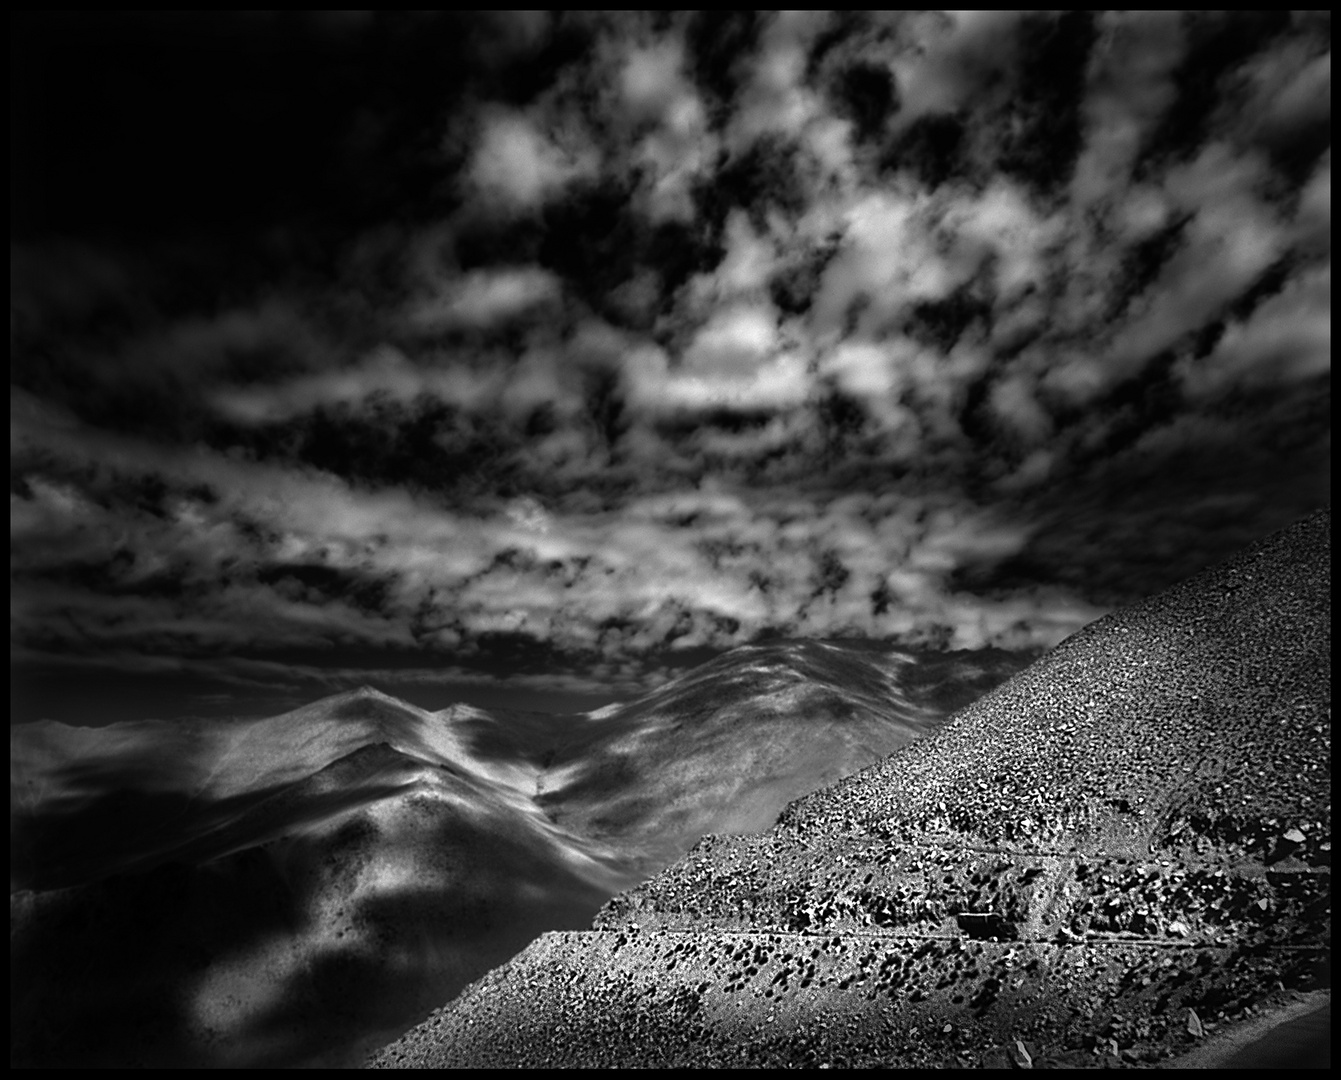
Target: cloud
[
  {"x": 677, "y": 147},
  {"x": 729, "y": 366},
  {"x": 1002, "y": 226},
  {"x": 518, "y": 164},
  {"x": 113, "y": 366},
  {"x": 746, "y": 267},
  {"x": 1130, "y": 89},
  {"x": 651, "y": 78},
  {"x": 1233, "y": 238},
  {"x": 1288, "y": 339},
  {"x": 733, "y": 342},
  {"x": 311, "y": 562},
  {"x": 903, "y": 248},
  {"x": 947, "y": 52},
  {"x": 484, "y": 298},
  {"x": 868, "y": 372},
  {"x": 1015, "y": 401},
  {"x": 775, "y": 97},
  {"x": 1313, "y": 225},
  {"x": 946, "y": 328},
  {"x": 385, "y": 373}
]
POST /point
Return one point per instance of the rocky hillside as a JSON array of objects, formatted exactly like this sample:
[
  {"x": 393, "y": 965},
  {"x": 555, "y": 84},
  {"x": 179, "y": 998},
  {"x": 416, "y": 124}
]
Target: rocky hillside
[{"x": 1124, "y": 847}]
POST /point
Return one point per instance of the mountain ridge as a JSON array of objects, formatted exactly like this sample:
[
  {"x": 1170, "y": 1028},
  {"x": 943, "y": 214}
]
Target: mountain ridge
[{"x": 375, "y": 856}]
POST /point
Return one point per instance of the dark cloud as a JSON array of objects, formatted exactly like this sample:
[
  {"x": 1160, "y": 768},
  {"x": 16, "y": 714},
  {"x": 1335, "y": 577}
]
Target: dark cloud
[
  {"x": 932, "y": 148},
  {"x": 719, "y": 44},
  {"x": 585, "y": 343},
  {"x": 596, "y": 239},
  {"x": 1044, "y": 124},
  {"x": 941, "y": 323},
  {"x": 868, "y": 95},
  {"x": 766, "y": 175},
  {"x": 1217, "y": 43},
  {"x": 794, "y": 284}
]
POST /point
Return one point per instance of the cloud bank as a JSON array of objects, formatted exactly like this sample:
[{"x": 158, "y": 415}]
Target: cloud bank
[{"x": 945, "y": 329}]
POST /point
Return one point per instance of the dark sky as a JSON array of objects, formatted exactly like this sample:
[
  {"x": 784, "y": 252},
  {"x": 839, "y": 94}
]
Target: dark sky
[{"x": 439, "y": 348}]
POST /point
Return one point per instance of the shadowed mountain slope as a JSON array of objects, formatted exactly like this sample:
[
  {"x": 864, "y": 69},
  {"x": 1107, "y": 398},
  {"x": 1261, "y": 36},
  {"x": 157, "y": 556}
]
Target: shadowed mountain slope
[
  {"x": 1119, "y": 849},
  {"x": 404, "y": 875},
  {"x": 88, "y": 802},
  {"x": 299, "y": 889}
]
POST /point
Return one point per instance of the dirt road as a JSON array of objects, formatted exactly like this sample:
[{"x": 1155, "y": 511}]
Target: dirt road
[{"x": 1296, "y": 1035}]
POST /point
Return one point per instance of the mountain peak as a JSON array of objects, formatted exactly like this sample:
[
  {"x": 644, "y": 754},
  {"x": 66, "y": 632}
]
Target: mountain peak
[{"x": 366, "y": 692}]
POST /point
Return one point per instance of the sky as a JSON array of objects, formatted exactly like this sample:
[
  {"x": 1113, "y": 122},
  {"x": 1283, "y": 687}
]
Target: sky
[{"x": 530, "y": 357}]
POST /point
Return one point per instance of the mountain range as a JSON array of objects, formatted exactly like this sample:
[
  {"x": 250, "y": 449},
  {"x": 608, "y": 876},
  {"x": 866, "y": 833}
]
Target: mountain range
[
  {"x": 1116, "y": 857},
  {"x": 300, "y": 889}
]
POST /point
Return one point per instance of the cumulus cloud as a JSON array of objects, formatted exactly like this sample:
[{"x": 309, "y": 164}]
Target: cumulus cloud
[
  {"x": 888, "y": 262},
  {"x": 517, "y": 164},
  {"x": 729, "y": 366},
  {"x": 676, "y": 147},
  {"x": 651, "y": 78},
  {"x": 954, "y": 56},
  {"x": 775, "y": 97}
]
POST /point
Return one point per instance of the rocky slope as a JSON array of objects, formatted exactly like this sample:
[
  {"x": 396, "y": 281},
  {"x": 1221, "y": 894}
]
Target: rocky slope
[{"x": 1124, "y": 847}]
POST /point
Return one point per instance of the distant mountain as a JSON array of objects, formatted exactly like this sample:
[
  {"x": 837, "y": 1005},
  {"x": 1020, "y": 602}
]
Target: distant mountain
[
  {"x": 89, "y": 802},
  {"x": 724, "y": 747},
  {"x": 301, "y": 888},
  {"x": 1122, "y": 848}
]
